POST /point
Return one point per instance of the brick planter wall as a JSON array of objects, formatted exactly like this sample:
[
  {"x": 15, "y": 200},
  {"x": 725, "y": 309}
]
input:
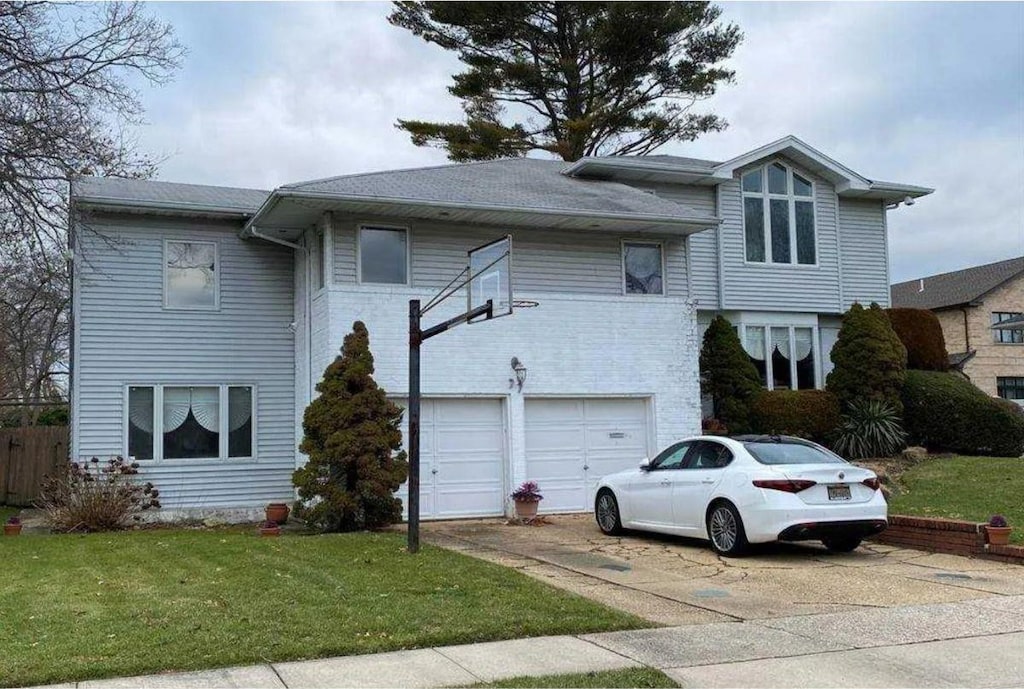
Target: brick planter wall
[{"x": 946, "y": 536}]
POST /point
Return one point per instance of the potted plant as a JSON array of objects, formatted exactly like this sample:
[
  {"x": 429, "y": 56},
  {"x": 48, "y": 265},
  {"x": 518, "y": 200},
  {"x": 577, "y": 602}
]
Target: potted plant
[
  {"x": 269, "y": 528},
  {"x": 527, "y": 498},
  {"x": 12, "y": 527},
  {"x": 998, "y": 530},
  {"x": 277, "y": 512}
]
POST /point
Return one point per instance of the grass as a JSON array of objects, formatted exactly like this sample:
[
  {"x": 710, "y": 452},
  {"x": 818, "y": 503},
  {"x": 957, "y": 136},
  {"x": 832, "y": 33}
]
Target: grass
[
  {"x": 77, "y": 607},
  {"x": 970, "y": 488},
  {"x": 631, "y": 677}
]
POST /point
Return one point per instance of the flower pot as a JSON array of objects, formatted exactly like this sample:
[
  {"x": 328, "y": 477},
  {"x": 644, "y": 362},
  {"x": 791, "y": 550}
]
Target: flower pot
[
  {"x": 277, "y": 512},
  {"x": 526, "y": 509},
  {"x": 12, "y": 529},
  {"x": 270, "y": 531},
  {"x": 998, "y": 535}
]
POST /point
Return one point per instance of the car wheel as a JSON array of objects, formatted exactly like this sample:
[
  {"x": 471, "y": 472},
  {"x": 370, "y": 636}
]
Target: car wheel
[
  {"x": 606, "y": 510},
  {"x": 841, "y": 545},
  {"x": 725, "y": 530}
]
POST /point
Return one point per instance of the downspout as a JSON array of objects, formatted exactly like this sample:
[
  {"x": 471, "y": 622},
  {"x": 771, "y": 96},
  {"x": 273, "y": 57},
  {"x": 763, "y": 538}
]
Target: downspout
[{"x": 967, "y": 331}]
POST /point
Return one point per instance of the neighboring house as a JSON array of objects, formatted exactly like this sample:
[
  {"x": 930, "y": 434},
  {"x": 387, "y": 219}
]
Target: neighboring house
[
  {"x": 981, "y": 310},
  {"x": 204, "y": 316}
]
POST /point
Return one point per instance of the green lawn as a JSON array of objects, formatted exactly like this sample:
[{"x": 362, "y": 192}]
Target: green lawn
[
  {"x": 633, "y": 677},
  {"x": 85, "y": 606},
  {"x": 971, "y": 488}
]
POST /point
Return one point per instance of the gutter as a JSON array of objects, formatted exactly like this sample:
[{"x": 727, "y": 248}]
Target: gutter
[{"x": 166, "y": 206}]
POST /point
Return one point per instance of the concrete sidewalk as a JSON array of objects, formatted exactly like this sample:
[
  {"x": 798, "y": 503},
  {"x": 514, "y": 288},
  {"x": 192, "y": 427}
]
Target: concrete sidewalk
[{"x": 976, "y": 643}]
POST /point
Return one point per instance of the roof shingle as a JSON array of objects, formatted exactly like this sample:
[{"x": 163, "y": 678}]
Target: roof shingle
[
  {"x": 955, "y": 288},
  {"x": 142, "y": 191}
]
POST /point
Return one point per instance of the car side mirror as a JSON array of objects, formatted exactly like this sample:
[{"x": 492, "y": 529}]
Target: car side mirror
[{"x": 645, "y": 465}]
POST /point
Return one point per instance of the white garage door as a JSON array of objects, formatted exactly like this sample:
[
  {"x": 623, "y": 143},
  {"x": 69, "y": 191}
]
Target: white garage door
[
  {"x": 462, "y": 458},
  {"x": 572, "y": 443}
]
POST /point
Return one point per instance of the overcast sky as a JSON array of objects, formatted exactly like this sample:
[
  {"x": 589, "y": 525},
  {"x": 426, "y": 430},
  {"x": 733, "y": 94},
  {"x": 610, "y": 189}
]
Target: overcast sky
[{"x": 923, "y": 93}]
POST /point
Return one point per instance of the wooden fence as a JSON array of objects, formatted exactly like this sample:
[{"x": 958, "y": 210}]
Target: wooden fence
[{"x": 26, "y": 455}]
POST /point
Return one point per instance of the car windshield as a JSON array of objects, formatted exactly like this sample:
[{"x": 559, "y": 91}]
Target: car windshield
[{"x": 790, "y": 453}]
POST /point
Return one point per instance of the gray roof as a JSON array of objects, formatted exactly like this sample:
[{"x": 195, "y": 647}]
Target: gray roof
[
  {"x": 681, "y": 160},
  {"x": 957, "y": 287},
  {"x": 526, "y": 183},
  {"x": 958, "y": 359},
  {"x": 117, "y": 191}
]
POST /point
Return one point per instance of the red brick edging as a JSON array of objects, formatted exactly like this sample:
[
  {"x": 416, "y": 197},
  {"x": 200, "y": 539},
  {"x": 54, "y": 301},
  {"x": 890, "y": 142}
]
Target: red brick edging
[{"x": 946, "y": 536}]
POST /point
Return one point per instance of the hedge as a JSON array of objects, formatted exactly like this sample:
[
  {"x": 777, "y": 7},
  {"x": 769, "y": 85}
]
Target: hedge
[
  {"x": 944, "y": 411},
  {"x": 870, "y": 361},
  {"x": 810, "y": 414},
  {"x": 921, "y": 333}
]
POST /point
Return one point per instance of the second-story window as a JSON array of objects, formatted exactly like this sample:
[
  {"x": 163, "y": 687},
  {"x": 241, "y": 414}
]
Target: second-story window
[
  {"x": 190, "y": 275},
  {"x": 1007, "y": 335},
  {"x": 643, "y": 268},
  {"x": 383, "y": 255},
  {"x": 778, "y": 216}
]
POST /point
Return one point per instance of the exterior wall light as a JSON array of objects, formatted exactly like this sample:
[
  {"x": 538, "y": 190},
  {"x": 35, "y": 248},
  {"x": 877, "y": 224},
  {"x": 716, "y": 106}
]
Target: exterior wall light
[{"x": 520, "y": 370}]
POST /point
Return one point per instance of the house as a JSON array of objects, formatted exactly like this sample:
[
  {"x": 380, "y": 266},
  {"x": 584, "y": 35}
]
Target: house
[
  {"x": 204, "y": 316},
  {"x": 981, "y": 310}
]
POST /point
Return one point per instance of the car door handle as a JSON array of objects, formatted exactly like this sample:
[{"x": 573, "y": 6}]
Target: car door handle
[
  {"x": 666, "y": 482},
  {"x": 707, "y": 480}
]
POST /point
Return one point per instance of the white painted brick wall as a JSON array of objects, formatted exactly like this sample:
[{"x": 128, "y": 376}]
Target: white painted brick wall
[{"x": 572, "y": 346}]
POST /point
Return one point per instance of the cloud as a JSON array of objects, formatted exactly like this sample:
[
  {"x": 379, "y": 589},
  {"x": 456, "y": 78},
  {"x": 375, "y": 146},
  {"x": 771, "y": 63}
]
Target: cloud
[{"x": 924, "y": 93}]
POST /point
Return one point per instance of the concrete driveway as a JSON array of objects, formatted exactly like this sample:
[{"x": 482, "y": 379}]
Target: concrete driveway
[{"x": 674, "y": 581}]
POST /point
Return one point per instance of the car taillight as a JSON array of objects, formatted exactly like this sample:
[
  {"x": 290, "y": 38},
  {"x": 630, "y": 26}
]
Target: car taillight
[
  {"x": 872, "y": 483},
  {"x": 785, "y": 484}
]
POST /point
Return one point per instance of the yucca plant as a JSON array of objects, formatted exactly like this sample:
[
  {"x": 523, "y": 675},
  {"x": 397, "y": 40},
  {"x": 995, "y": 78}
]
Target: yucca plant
[{"x": 870, "y": 428}]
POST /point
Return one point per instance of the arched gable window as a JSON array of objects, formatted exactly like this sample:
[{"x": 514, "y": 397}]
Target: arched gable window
[{"x": 778, "y": 216}]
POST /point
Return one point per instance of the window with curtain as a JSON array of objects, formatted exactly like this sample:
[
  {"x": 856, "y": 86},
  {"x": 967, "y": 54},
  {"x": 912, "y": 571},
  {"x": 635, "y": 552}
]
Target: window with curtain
[
  {"x": 778, "y": 216},
  {"x": 754, "y": 344},
  {"x": 190, "y": 275},
  {"x": 195, "y": 422},
  {"x": 643, "y": 268},
  {"x": 783, "y": 355},
  {"x": 781, "y": 358}
]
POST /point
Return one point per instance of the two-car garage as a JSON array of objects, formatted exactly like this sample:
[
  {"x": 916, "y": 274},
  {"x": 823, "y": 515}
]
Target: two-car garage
[{"x": 568, "y": 444}]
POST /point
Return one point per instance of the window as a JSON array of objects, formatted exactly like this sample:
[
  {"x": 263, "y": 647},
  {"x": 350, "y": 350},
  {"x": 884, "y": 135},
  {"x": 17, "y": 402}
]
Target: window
[
  {"x": 783, "y": 355},
  {"x": 709, "y": 455},
  {"x": 1014, "y": 336},
  {"x": 319, "y": 260},
  {"x": 643, "y": 268},
  {"x": 778, "y": 217},
  {"x": 383, "y": 255},
  {"x": 791, "y": 452},
  {"x": 194, "y": 422},
  {"x": 190, "y": 275},
  {"x": 1011, "y": 389},
  {"x": 672, "y": 458}
]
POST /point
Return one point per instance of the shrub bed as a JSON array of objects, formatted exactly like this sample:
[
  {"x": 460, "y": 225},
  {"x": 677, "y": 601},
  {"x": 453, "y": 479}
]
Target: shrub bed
[
  {"x": 921, "y": 333},
  {"x": 810, "y": 414},
  {"x": 943, "y": 411}
]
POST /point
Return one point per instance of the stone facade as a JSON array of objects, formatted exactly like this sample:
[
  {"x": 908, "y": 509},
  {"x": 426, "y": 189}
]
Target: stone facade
[{"x": 992, "y": 360}]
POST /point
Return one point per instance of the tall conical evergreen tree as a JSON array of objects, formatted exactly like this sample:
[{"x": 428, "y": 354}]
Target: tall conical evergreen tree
[
  {"x": 870, "y": 360},
  {"x": 728, "y": 375},
  {"x": 353, "y": 440}
]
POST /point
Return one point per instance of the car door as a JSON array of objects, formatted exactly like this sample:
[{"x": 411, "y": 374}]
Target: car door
[
  {"x": 650, "y": 492},
  {"x": 703, "y": 469}
]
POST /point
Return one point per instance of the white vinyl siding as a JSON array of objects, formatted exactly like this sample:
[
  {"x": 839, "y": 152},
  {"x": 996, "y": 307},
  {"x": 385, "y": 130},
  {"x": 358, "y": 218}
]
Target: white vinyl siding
[
  {"x": 125, "y": 337},
  {"x": 864, "y": 252}
]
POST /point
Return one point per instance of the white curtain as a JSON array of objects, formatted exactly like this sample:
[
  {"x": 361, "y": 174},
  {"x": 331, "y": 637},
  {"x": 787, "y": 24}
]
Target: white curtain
[
  {"x": 203, "y": 401},
  {"x": 803, "y": 342},
  {"x": 140, "y": 408},
  {"x": 239, "y": 407},
  {"x": 780, "y": 341},
  {"x": 753, "y": 342}
]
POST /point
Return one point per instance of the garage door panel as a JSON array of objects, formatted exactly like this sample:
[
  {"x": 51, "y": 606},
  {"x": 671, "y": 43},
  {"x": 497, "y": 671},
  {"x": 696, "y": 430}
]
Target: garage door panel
[
  {"x": 616, "y": 438},
  {"x": 553, "y": 411},
  {"x": 617, "y": 411},
  {"x": 555, "y": 438},
  {"x": 463, "y": 439},
  {"x": 466, "y": 411},
  {"x": 472, "y": 500}
]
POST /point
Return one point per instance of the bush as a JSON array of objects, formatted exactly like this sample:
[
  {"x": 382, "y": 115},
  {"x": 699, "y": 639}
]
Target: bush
[
  {"x": 943, "y": 411},
  {"x": 96, "y": 496},
  {"x": 728, "y": 376},
  {"x": 870, "y": 429},
  {"x": 810, "y": 414},
  {"x": 353, "y": 441},
  {"x": 921, "y": 333},
  {"x": 870, "y": 361}
]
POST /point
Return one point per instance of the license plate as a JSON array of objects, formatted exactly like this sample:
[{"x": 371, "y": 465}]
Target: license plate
[{"x": 841, "y": 492}]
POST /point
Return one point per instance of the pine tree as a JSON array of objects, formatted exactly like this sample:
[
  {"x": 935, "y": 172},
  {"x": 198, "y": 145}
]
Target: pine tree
[
  {"x": 728, "y": 375},
  {"x": 353, "y": 440},
  {"x": 870, "y": 361}
]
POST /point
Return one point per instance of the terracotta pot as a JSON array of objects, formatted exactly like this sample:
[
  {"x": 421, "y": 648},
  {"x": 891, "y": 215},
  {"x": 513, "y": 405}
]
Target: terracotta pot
[
  {"x": 12, "y": 529},
  {"x": 998, "y": 535},
  {"x": 277, "y": 512},
  {"x": 270, "y": 531},
  {"x": 526, "y": 509}
]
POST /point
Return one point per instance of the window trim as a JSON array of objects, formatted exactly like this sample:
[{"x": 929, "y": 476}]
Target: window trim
[
  {"x": 216, "y": 274},
  {"x": 766, "y": 198},
  {"x": 223, "y": 431},
  {"x": 769, "y": 372},
  {"x": 408, "y": 253},
  {"x": 1019, "y": 383},
  {"x": 622, "y": 259},
  {"x": 997, "y": 334}
]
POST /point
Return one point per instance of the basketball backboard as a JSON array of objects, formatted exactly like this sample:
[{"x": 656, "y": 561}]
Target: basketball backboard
[{"x": 490, "y": 277}]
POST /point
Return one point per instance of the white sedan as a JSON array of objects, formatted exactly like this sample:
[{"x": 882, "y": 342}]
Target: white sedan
[{"x": 745, "y": 489}]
